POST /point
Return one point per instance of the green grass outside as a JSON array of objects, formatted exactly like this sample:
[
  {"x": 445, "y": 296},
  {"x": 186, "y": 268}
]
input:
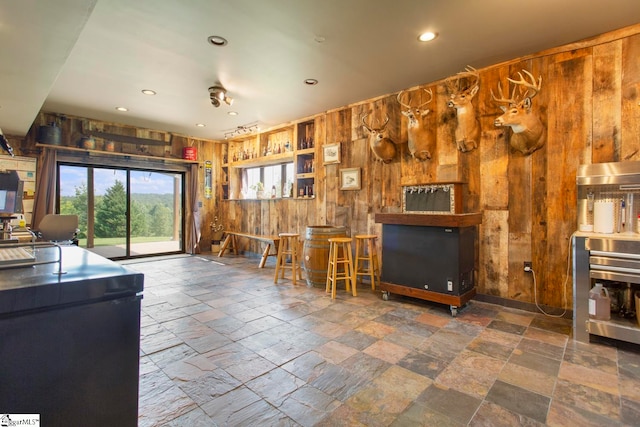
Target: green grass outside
[{"x": 112, "y": 241}]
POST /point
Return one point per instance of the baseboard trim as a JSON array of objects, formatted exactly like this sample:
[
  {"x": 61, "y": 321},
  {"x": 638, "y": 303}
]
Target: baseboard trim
[{"x": 521, "y": 305}]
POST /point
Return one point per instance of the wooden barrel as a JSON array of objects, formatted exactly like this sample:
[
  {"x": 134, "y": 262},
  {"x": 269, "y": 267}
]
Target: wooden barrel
[{"x": 315, "y": 253}]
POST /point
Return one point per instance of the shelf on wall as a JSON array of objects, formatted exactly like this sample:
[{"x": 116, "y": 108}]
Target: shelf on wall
[
  {"x": 306, "y": 151},
  {"x": 271, "y": 200},
  {"x": 298, "y": 142},
  {"x": 113, "y": 153},
  {"x": 305, "y": 160},
  {"x": 269, "y": 160}
]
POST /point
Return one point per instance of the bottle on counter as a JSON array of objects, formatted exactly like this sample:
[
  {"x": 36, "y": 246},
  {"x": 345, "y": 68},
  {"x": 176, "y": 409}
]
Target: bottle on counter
[{"x": 599, "y": 303}]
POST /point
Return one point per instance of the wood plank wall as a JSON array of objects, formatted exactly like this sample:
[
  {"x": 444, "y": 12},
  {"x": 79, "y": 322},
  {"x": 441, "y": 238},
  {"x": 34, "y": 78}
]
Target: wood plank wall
[{"x": 590, "y": 103}]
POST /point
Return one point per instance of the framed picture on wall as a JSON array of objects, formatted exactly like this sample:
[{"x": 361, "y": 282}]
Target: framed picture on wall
[
  {"x": 350, "y": 179},
  {"x": 331, "y": 153}
]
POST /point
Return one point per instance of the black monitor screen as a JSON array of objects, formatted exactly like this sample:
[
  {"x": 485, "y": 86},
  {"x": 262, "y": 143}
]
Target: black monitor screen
[
  {"x": 7, "y": 202},
  {"x": 10, "y": 193}
]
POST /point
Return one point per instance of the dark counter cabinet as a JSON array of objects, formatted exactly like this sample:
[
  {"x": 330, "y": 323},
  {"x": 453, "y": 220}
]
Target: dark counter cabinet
[
  {"x": 69, "y": 343},
  {"x": 431, "y": 257}
]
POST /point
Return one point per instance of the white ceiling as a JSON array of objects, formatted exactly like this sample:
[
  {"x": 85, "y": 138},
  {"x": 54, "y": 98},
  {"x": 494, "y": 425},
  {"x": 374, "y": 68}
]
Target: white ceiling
[{"x": 86, "y": 57}]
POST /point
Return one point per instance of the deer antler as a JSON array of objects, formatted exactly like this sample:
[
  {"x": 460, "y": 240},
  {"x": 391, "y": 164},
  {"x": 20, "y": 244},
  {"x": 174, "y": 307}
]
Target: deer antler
[
  {"x": 400, "y": 100},
  {"x": 384, "y": 125},
  {"x": 531, "y": 86},
  {"x": 449, "y": 83},
  {"x": 510, "y": 101},
  {"x": 430, "y": 93},
  {"x": 368, "y": 127},
  {"x": 469, "y": 71},
  {"x": 408, "y": 106},
  {"x": 364, "y": 123}
]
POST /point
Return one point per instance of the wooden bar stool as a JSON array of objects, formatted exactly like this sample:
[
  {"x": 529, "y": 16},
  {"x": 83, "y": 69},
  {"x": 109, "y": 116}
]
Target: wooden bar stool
[
  {"x": 288, "y": 246},
  {"x": 337, "y": 245},
  {"x": 367, "y": 258}
]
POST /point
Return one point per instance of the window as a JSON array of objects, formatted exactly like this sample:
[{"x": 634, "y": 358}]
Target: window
[
  {"x": 272, "y": 181},
  {"x": 252, "y": 183},
  {"x": 124, "y": 213}
]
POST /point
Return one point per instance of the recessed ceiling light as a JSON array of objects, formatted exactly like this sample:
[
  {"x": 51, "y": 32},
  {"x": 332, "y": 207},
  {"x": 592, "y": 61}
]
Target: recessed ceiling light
[
  {"x": 122, "y": 109},
  {"x": 148, "y": 92},
  {"x": 319, "y": 39},
  {"x": 428, "y": 36},
  {"x": 200, "y": 125},
  {"x": 217, "y": 40},
  {"x": 232, "y": 113},
  {"x": 311, "y": 82}
]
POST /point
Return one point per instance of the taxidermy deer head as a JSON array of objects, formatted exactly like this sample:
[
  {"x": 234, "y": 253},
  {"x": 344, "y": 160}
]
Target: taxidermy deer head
[
  {"x": 529, "y": 134},
  {"x": 467, "y": 131},
  {"x": 383, "y": 148},
  {"x": 421, "y": 141}
]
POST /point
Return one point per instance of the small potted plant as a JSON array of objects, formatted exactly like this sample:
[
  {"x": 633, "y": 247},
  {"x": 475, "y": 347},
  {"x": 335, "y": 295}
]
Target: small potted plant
[
  {"x": 258, "y": 187},
  {"x": 217, "y": 230}
]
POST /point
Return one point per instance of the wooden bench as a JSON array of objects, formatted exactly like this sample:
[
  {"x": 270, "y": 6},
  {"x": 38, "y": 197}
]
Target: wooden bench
[{"x": 232, "y": 239}]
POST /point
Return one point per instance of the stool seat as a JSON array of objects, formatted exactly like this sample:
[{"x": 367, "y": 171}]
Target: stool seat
[
  {"x": 289, "y": 234},
  {"x": 366, "y": 263},
  {"x": 341, "y": 240},
  {"x": 288, "y": 247},
  {"x": 337, "y": 245}
]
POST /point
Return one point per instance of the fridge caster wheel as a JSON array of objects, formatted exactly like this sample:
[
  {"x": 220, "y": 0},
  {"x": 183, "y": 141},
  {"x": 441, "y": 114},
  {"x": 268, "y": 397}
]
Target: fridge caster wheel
[
  {"x": 454, "y": 310},
  {"x": 385, "y": 295}
]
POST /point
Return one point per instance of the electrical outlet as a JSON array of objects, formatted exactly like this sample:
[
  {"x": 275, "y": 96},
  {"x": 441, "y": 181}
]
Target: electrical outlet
[{"x": 527, "y": 266}]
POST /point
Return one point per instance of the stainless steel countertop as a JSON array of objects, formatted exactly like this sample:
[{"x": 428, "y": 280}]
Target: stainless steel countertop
[
  {"x": 617, "y": 236},
  {"x": 87, "y": 277}
]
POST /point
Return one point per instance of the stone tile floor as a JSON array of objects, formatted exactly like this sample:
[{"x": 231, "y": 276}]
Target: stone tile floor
[{"x": 222, "y": 345}]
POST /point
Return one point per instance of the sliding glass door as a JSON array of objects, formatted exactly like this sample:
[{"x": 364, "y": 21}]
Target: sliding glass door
[
  {"x": 156, "y": 212},
  {"x": 124, "y": 213}
]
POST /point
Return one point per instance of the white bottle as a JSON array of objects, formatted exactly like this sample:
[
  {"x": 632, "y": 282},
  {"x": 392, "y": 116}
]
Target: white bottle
[{"x": 599, "y": 303}]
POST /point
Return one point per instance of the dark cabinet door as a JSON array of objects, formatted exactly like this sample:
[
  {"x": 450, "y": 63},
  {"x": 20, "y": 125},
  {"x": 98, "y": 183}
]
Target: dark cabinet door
[
  {"x": 75, "y": 365},
  {"x": 438, "y": 259}
]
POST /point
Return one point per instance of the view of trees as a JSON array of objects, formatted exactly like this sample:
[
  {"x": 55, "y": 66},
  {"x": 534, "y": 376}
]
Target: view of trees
[{"x": 151, "y": 214}]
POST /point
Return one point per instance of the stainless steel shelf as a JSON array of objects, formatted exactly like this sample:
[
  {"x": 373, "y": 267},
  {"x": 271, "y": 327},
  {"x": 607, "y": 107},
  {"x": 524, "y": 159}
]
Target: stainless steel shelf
[
  {"x": 617, "y": 328},
  {"x": 620, "y": 329}
]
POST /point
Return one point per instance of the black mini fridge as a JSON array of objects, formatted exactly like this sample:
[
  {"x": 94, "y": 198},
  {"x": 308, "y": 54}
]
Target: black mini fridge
[{"x": 437, "y": 259}]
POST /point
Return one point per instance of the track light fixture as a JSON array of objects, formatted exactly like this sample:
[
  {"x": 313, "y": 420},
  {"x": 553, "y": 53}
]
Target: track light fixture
[
  {"x": 242, "y": 130},
  {"x": 218, "y": 94}
]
